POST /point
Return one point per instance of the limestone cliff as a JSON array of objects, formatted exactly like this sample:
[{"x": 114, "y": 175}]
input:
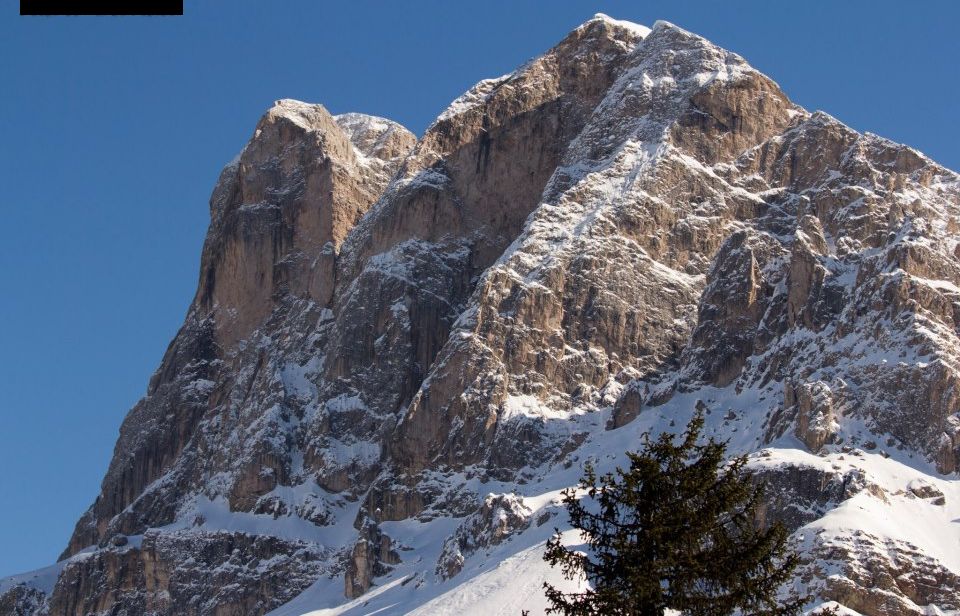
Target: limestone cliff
[{"x": 401, "y": 349}]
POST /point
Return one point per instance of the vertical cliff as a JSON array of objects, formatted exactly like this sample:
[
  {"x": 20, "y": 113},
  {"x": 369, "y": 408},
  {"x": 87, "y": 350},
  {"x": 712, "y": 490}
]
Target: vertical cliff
[{"x": 401, "y": 349}]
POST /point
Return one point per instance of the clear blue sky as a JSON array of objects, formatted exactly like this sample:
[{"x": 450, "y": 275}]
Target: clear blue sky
[{"x": 113, "y": 131}]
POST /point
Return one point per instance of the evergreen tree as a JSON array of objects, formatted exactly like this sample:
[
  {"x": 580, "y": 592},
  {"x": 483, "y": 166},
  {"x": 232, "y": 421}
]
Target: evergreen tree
[{"x": 677, "y": 530}]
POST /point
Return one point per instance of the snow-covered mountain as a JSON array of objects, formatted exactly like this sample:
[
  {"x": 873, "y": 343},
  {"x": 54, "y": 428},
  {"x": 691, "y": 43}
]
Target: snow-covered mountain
[{"x": 401, "y": 350}]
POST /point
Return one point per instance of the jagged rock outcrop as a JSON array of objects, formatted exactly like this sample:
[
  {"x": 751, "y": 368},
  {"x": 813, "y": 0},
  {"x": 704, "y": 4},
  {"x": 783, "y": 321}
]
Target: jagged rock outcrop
[
  {"x": 798, "y": 494},
  {"x": 279, "y": 215},
  {"x": 500, "y": 516},
  {"x": 188, "y": 573},
  {"x": 22, "y": 600},
  {"x": 858, "y": 568},
  {"x": 371, "y": 557},
  {"x": 632, "y": 226},
  {"x": 884, "y": 577},
  {"x": 816, "y": 422}
]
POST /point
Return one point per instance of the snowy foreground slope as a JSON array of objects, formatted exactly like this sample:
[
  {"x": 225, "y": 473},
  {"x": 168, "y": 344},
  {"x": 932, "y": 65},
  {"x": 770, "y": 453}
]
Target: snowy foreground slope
[{"x": 401, "y": 350}]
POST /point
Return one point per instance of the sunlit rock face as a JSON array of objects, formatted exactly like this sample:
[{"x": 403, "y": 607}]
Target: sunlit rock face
[{"x": 401, "y": 349}]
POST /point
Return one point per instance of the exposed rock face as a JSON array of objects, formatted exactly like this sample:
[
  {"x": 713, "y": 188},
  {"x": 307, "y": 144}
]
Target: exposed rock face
[
  {"x": 224, "y": 574},
  {"x": 631, "y": 226},
  {"x": 816, "y": 422},
  {"x": 884, "y": 577},
  {"x": 500, "y": 516},
  {"x": 279, "y": 215},
  {"x": 371, "y": 557},
  {"x": 22, "y": 600},
  {"x": 859, "y": 568}
]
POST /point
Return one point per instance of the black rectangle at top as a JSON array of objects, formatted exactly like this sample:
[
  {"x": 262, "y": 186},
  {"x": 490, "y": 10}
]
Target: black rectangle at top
[{"x": 101, "y": 7}]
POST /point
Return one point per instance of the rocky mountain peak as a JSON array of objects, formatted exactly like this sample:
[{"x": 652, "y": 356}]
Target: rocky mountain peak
[
  {"x": 378, "y": 140},
  {"x": 401, "y": 349},
  {"x": 282, "y": 211}
]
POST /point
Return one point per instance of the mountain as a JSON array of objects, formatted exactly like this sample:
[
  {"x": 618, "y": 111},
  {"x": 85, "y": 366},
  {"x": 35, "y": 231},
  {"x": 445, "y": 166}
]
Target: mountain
[{"x": 402, "y": 349}]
